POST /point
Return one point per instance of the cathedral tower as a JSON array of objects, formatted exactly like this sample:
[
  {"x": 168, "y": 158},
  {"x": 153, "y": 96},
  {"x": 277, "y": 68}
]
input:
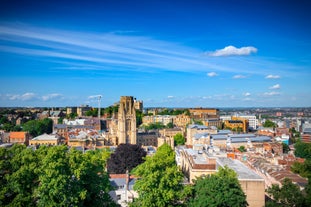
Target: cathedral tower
[{"x": 126, "y": 121}]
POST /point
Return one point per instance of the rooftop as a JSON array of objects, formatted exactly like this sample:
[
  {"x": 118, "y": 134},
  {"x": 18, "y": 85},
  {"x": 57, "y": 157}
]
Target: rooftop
[
  {"x": 46, "y": 137},
  {"x": 242, "y": 171}
]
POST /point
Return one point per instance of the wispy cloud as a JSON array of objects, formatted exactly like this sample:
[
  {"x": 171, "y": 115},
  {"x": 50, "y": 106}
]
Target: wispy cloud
[
  {"x": 276, "y": 86},
  {"x": 52, "y": 96},
  {"x": 130, "y": 52},
  {"x": 118, "y": 51},
  {"x": 247, "y": 94},
  {"x": 212, "y": 74},
  {"x": 238, "y": 77},
  {"x": 30, "y": 96},
  {"x": 272, "y": 93},
  {"x": 231, "y": 50},
  {"x": 273, "y": 77},
  {"x": 22, "y": 97}
]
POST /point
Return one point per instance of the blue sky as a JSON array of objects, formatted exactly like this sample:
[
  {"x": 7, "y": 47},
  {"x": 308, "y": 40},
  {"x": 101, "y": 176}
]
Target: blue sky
[{"x": 167, "y": 53}]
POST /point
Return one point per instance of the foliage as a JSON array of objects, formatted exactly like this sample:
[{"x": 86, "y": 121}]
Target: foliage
[
  {"x": 71, "y": 116},
  {"x": 160, "y": 180},
  {"x": 199, "y": 122},
  {"x": 270, "y": 124},
  {"x": 179, "y": 139},
  {"x": 303, "y": 150},
  {"x": 285, "y": 147},
  {"x": 303, "y": 169},
  {"x": 38, "y": 127},
  {"x": 94, "y": 112},
  {"x": 126, "y": 157},
  {"x": 139, "y": 117},
  {"x": 242, "y": 149},
  {"x": 156, "y": 125},
  {"x": 170, "y": 125},
  {"x": 220, "y": 189},
  {"x": 53, "y": 176},
  {"x": 174, "y": 112},
  {"x": 287, "y": 195},
  {"x": 60, "y": 120},
  {"x": 111, "y": 110}
]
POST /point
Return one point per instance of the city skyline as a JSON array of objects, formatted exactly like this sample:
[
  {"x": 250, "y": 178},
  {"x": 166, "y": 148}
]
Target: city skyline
[{"x": 166, "y": 53}]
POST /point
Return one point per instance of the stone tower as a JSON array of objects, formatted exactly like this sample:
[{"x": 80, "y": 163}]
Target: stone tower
[{"x": 126, "y": 121}]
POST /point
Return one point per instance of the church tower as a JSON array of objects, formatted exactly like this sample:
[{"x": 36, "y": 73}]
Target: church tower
[{"x": 127, "y": 121}]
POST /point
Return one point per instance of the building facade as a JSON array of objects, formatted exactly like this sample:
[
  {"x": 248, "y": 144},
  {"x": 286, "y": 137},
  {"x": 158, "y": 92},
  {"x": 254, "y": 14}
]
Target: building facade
[{"x": 126, "y": 121}]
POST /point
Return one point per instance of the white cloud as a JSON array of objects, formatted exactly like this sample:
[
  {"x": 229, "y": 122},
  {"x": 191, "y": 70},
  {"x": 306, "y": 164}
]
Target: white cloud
[
  {"x": 231, "y": 50},
  {"x": 52, "y": 96},
  {"x": 24, "y": 97},
  {"x": 212, "y": 74},
  {"x": 247, "y": 94},
  {"x": 276, "y": 86},
  {"x": 238, "y": 77},
  {"x": 272, "y": 93},
  {"x": 273, "y": 77},
  {"x": 169, "y": 97}
]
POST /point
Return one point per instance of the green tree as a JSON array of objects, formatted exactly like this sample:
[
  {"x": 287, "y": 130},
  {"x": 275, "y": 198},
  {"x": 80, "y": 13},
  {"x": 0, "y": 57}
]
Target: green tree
[
  {"x": 220, "y": 189},
  {"x": 303, "y": 150},
  {"x": 242, "y": 149},
  {"x": 303, "y": 169},
  {"x": 179, "y": 139},
  {"x": 53, "y": 176},
  {"x": 156, "y": 125},
  {"x": 199, "y": 122},
  {"x": 285, "y": 147},
  {"x": 139, "y": 118},
  {"x": 160, "y": 182},
  {"x": 287, "y": 195},
  {"x": 170, "y": 125},
  {"x": 269, "y": 123},
  {"x": 38, "y": 127},
  {"x": 18, "y": 176}
]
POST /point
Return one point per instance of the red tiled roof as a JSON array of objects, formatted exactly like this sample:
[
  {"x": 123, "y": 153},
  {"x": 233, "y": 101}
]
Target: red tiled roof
[{"x": 17, "y": 135}]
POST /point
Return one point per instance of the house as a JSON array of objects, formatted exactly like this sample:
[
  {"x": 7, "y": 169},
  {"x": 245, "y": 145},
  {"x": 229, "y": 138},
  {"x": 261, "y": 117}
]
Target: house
[
  {"x": 19, "y": 137},
  {"x": 122, "y": 192}
]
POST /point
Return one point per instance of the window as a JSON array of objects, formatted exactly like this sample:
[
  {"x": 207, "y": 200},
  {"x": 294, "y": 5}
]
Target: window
[{"x": 119, "y": 197}]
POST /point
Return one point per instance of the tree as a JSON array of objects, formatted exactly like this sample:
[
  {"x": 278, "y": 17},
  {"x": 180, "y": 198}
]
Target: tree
[
  {"x": 199, "y": 122},
  {"x": 220, "y": 189},
  {"x": 179, "y": 139},
  {"x": 170, "y": 125},
  {"x": 38, "y": 127},
  {"x": 53, "y": 176},
  {"x": 156, "y": 125},
  {"x": 303, "y": 169},
  {"x": 242, "y": 149},
  {"x": 287, "y": 195},
  {"x": 285, "y": 147},
  {"x": 303, "y": 150},
  {"x": 126, "y": 157},
  {"x": 160, "y": 182},
  {"x": 139, "y": 117},
  {"x": 269, "y": 123}
]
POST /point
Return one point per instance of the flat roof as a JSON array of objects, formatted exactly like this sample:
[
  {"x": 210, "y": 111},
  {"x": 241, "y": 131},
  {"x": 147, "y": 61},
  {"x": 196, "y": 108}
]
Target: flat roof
[
  {"x": 199, "y": 159},
  {"x": 243, "y": 172},
  {"x": 46, "y": 137}
]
